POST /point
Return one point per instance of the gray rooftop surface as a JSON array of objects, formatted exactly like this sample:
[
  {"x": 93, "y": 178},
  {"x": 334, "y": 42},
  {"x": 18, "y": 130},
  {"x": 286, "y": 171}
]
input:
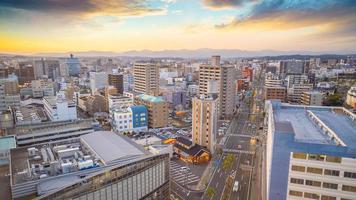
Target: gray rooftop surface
[
  {"x": 110, "y": 146},
  {"x": 341, "y": 124},
  {"x": 304, "y": 129}
]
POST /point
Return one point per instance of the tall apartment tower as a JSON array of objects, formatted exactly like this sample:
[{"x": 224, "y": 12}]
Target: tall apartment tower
[
  {"x": 146, "y": 78},
  {"x": 117, "y": 80},
  {"x": 225, "y": 75},
  {"x": 204, "y": 121},
  {"x": 215, "y": 60}
]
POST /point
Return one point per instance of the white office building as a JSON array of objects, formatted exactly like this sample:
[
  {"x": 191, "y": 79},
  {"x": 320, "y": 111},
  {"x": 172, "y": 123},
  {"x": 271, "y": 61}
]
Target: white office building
[{"x": 58, "y": 108}]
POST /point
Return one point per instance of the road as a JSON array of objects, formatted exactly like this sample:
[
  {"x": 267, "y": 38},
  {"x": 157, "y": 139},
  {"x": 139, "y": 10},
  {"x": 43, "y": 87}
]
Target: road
[{"x": 243, "y": 127}]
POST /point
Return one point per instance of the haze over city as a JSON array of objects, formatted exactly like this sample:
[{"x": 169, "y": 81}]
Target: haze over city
[{"x": 46, "y": 26}]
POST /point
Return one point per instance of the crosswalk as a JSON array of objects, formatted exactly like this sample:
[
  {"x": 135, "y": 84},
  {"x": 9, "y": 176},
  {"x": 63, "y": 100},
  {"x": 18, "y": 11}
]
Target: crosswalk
[{"x": 183, "y": 178}]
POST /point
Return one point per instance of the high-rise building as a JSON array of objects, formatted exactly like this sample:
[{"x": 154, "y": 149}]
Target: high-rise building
[
  {"x": 215, "y": 60},
  {"x": 146, "y": 78},
  {"x": 47, "y": 68},
  {"x": 100, "y": 165},
  {"x": 9, "y": 92},
  {"x": 225, "y": 75},
  {"x": 25, "y": 73},
  {"x": 310, "y": 152},
  {"x": 117, "y": 80},
  {"x": 204, "y": 121},
  {"x": 73, "y": 66},
  {"x": 98, "y": 80},
  {"x": 289, "y": 67},
  {"x": 157, "y": 109}
]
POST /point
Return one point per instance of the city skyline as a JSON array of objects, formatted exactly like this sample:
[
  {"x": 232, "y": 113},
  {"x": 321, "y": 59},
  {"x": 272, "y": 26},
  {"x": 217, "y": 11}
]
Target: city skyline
[{"x": 122, "y": 25}]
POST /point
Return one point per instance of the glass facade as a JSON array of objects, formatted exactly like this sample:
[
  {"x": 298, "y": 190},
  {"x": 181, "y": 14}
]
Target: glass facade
[{"x": 144, "y": 179}]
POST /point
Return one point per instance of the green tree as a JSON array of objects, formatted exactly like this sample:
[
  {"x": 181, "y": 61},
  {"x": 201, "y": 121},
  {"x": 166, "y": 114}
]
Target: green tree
[{"x": 210, "y": 192}]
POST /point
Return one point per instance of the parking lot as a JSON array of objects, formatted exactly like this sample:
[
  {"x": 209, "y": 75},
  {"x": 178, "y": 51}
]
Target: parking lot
[{"x": 182, "y": 174}]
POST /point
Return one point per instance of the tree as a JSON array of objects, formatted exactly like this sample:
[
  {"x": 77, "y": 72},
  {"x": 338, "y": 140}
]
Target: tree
[
  {"x": 227, "y": 162},
  {"x": 210, "y": 192},
  {"x": 334, "y": 100}
]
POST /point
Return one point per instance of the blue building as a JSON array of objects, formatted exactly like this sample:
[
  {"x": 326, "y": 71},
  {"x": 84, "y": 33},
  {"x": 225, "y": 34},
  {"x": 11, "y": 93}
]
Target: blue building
[
  {"x": 139, "y": 118},
  {"x": 73, "y": 65},
  {"x": 311, "y": 152}
]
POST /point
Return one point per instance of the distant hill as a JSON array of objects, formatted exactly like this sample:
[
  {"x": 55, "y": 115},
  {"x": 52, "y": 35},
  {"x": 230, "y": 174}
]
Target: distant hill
[{"x": 186, "y": 53}]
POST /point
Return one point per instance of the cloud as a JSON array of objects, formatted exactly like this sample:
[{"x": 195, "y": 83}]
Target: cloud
[
  {"x": 225, "y": 4},
  {"x": 83, "y": 7},
  {"x": 286, "y": 14}
]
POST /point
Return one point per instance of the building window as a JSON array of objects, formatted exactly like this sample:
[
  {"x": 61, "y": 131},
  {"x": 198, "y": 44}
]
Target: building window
[
  {"x": 297, "y": 181},
  {"x": 349, "y": 175},
  {"x": 316, "y": 157},
  {"x": 314, "y": 170},
  {"x": 330, "y": 185},
  {"x": 331, "y": 172},
  {"x": 324, "y": 197},
  {"x": 300, "y": 155},
  {"x": 311, "y": 195},
  {"x": 298, "y": 168},
  {"x": 313, "y": 183},
  {"x": 295, "y": 193},
  {"x": 349, "y": 188},
  {"x": 333, "y": 159}
]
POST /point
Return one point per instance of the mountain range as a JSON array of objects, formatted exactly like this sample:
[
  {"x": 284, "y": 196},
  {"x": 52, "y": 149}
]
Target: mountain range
[{"x": 185, "y": 53}]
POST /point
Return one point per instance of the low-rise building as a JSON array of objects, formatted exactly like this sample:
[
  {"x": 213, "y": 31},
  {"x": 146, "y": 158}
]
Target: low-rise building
[
  {"x": 294, "y": 93},
  {"x": 190, "y": 152},
  {"x": 6, "y": 143},
  {"x": 312, "y": 98},
  {"x": 133, "y": 118},
  {"x": 99, "y": 165},
  {"x": 58, "y": 108},
  {"x": 351, "y": 97},
  {"x": 275, "y": 92}
]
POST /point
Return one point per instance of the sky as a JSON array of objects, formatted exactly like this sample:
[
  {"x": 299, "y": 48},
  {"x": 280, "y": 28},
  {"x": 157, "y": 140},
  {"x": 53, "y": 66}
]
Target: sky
[{"x": 43, "y": 26}]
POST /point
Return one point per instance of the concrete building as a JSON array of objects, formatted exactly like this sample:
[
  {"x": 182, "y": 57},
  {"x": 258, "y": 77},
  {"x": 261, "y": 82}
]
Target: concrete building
[
  {"x": 121, "y": 119},
  {"x": 296, "y": 79},
  {"x": 204, "y": 121},
  {"x": 294, "y": 93},
  {"x": 225, "y": 75},
  {"x": 9, "y": 92},
  {"x": 99, "y": 165},
  {"x": 310, "y": 152},
  {"x": 139, "y": 118},
  {"x": 46, "y": 69},
  {"x": 275, "y": 92},
  {"x": 117, "y": 80},
  {"x": 117, "y": 101},
  {"x": 73, "y": 66},
  {"x": 25, "y": 73},
  {"x": 146, "y": 78},
  {"x": 290, "y": 67},
  {"x": 42, "y": 88},
  {"x": 157, "y": 110},
  {"x": 312, "y": 98},
  {"x": 58, "y": 108},
  {"x": 98, "y": 80},
  {"x": 6, "y": 143},
  {"x": 351, "y": 97}
]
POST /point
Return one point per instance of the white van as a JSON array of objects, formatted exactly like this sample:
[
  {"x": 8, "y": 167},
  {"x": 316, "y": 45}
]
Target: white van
[{"x": 236, "y": 186}]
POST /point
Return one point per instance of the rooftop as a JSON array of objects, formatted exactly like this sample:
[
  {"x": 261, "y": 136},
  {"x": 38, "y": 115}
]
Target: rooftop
[
  {"x": 306, "y": 123},
  {"x": 7, "y": 142},
  {"x": 109, "y": 146},
  {"x": 155, "y": 99}
]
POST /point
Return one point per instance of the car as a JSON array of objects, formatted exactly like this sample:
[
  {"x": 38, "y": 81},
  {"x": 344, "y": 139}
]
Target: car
[
  {"x": 236, "y": 186},
  {"x": 239, "y": 146},
  {"x": 184, "y": 169}
]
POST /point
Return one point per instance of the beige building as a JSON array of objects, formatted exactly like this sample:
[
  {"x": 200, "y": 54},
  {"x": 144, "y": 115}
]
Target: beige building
[
  {"x": 204, "y": 121},
  {"x": 294, "y": 94},
  {"x": 146, "y": 78},
  {"x": 275, "y": 92},
  {"x": 157, "y": 110},
  {"x": 225, "y": 75},
  {"x": 351, "y": 97},
  {"x": 312, "y": 98}
]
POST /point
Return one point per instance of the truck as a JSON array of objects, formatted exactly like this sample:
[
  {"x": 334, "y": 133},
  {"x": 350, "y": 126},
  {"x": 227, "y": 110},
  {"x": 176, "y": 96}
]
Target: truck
[{"x": 236, "y": 186}]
